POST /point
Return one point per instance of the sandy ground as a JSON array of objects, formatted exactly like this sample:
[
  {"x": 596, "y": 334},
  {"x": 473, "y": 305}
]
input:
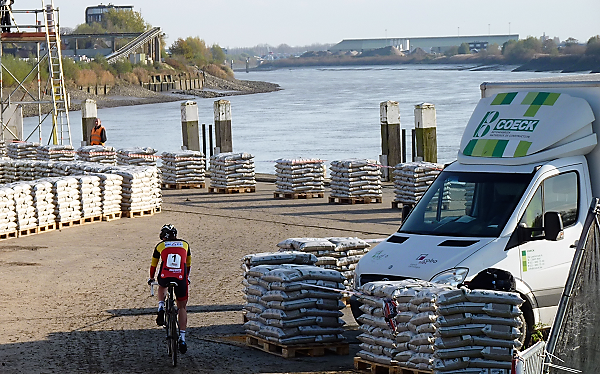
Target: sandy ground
[{"x": 76, "y": 300}]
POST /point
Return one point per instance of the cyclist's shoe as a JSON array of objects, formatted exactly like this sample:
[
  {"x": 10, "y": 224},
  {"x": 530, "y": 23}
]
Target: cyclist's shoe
[
  {"x": 182, "y": 346},
  {"x": 160, "y": 318}
]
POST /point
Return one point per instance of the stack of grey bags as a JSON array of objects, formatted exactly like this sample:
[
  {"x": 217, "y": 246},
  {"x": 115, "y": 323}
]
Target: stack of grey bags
[
  {"x": 341, "y": 254},
  {"x": 8, "y": 216},
  {"x": 22, "y": 150},
  {"x": 43, "y": 200},
  {"x": 183, "y": 167},
  {"x": 97, "y": 153},
  {"x": 90, "y": 195},
  {"x": 355, "y": 178},
  {"x": 293, "y": 303},
  {"x": 2, "y": 148},
  {"x": 43, "y": 169},
  {"x": 24, "y": 207},
  {"x": 478, "y": 330},
  {"x": 140, "y": 188},
  {"x": 232, "y": 170},
  {"x": 412, "y": 179},
  {"x": 300, "y": 175},
  {"x": 110, "y": 189},
  {"x": 55, "y": 152},
  {"x": 9, "y": 173},
  {"x": 137, "y": 156},
  {"x": 399, "y": 322},
  {"x": 24, "y": 169}
]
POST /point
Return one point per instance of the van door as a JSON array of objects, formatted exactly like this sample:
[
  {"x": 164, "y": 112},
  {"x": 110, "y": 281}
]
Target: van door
[{"x": 545, "y": 264}]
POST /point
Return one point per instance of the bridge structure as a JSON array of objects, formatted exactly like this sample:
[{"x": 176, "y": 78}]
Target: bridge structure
[
  {"x": 49, "y": 96},
  {"x": 148, "y": 40}
]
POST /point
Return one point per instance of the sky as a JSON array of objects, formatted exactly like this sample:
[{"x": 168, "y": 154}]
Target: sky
[{"x": 246, "y": 23}]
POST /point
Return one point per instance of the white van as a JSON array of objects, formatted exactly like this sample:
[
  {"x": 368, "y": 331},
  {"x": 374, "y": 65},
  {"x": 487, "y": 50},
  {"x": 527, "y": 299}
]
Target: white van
[{"x": 515, "y": 199}]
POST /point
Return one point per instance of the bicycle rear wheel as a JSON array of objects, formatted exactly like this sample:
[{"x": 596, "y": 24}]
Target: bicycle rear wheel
[{"x": 174, "y": 336}]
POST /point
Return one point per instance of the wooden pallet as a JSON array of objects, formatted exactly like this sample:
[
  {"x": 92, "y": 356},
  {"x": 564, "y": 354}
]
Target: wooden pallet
[
  {"x": 290, "y": 351},
  {"x": 138, "y": 213},
  {"x": 157, "y": 209},
  {"x": 46, "y": 228},
  {"x": 365, "y": 366},
  {"x": 28, "y": 231},
  {"x": 231, "y": 190},
  {"x": 298, "y": 195},
  {"x": 91, "y": 219},
  {"x": 8, "y": 235},
  {"x": 111, "y": 216},
  {"x": 182, "y": 186},
  {"x": 354, "y": 200},
  {"x": 396, "y": 205},
  {"x": 71, "y": 223}
]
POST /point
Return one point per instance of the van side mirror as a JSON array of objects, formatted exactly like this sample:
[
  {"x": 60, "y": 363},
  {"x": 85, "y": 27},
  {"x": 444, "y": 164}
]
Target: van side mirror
[
  {"x": 406, "y": 208},
  {"x": 553, "y": 226}
]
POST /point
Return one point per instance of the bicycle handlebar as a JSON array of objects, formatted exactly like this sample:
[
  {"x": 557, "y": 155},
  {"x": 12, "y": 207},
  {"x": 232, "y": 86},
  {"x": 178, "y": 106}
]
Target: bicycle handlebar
[{"x": 152, "y": 287}]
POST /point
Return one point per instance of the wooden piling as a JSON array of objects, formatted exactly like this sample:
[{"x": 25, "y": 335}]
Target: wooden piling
[
  {"x": 89, "y": 113},
  {"x": 391, "y": 144},
  {"x": 189, "y": 125},
  {"x": 222, "y": 111},
  {"x": 425, "y": 132}
]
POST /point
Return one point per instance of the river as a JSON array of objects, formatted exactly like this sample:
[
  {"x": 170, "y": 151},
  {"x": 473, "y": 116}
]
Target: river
[{"x": 326, "y": 113}]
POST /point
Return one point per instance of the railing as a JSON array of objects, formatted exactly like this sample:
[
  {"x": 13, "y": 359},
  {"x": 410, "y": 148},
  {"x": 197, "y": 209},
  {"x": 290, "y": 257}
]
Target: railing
[{"x": 125, "y": 51}]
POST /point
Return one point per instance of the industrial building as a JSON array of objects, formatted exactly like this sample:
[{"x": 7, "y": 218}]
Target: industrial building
[
  {"x": 95, "y": 13},
  {"x": 428, "y": 44}
]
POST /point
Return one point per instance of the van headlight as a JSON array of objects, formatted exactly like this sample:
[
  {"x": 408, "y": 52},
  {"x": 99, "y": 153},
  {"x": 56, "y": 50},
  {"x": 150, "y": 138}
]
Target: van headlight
[{"x": 453, "y": 277}]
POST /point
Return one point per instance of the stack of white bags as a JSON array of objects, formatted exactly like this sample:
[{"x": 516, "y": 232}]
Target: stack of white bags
[
  {"x": 300, "y": 175},
  {"x": 90, "y": 195},
  {"x": 55, "y": 153},
  {"x": 183, "y": 167},
  {"x": 22, "y": 150},
  {"x": 355, "y": 178},
  {"x": 8, "y": 215},
  {"x": 478, "y": 330},
  {"x": 43, "y": 200},
  {"x": 232, "y": 170},
  {"x": 140, "y": 188},
  {"x": 111, "y": 187},
  {"x": 67, "y": 203},
  {"x": 287, "y": 304},
  {"x": 97, "y": 153},
  {"x": 412, "y": 179},
  {"x": 24, "y": 207},
  {"x": 137, "y": 156}
]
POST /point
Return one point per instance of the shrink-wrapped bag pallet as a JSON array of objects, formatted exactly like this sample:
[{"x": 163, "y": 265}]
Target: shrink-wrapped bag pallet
[
  {"x": 67, "y": 203},
  {"x": 293, "y": 304},
  {"x": 336, "y": 253},
  {"x": 97, "y": 153},
  {"x": 7, "y": 170},
  {"x": 8, "y": 215},
  {"x": 24, "y": 206},
  {"x": 137, "y": 156},
  {"x": 141, "y": 190},
  {"x": 478, "y": 330},
  {"x": 111, "y": 192},
  {"x": 22, "y": 150},
  {"x": 55, "y": 152},
  {"x": 24, "y": 170},
  {"x": 355, "y": 180},
  {"x": 90, "y": 196},
  {"x": 183, "y": 168},
  {"x": 299, "y": 177},
  {"x": 399, "y": 322},
  {"x": 412, "y": 179},
  {"x": 43, "y": 201},
  {"x": 3, "y": 148},
  {"x": 232, "y": 171}
]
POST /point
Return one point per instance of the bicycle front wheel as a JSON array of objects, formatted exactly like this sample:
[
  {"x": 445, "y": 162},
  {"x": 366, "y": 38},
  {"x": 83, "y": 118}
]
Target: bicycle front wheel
[{"x": 174, "y": 337}]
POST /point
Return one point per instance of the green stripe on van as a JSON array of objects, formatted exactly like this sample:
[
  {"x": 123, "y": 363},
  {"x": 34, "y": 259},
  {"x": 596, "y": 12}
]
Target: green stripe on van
[
  {"x": 468, "y": 151},
  {"x": 522, "y": 148},
  {"x": 504, "y": 98},
  {"x": 499, "y": 149}
]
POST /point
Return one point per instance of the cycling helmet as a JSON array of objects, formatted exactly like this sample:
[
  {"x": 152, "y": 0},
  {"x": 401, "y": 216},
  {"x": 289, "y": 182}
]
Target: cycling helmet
[{"x": 168, "y": 232}]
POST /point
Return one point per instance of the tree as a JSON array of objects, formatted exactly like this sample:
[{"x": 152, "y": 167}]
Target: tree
[
  {"x": 571, "y": 41},
  {"x": 593, "y": 46},
  {"x": 464, "y": 49},
  {"x": 451, "y": 51},
  {"x": 218, "y": 55},
  {"x": 549, "y": 47}
]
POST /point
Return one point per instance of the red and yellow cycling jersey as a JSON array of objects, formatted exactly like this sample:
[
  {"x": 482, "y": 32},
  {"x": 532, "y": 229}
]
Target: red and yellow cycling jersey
[{"x": 175, "y": 257}]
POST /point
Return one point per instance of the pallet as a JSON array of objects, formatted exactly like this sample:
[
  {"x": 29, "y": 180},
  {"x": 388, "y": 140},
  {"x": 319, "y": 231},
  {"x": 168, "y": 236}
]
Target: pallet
[
  {"x": 298, "y": 195},
  {"x": 365, "y": 366},
  {"x": 91, "y": 219},
  {"x": 396, "y": 205},
  {"x": 157, "y": 209},
  {"x": 182, "y": 186},
  {"x": 27, "y": 232},
  {"x": 354, "y": 200},
  {"x": 71, "y": 223},
  {"x": 290, "y": 351},
  {"x": 111, "y": 216},
  {"x": 138, "y": 213},
  {"x": 8, "y": 235},
  {"x": 231, "y": 190},
  {"x": 46, "y": 228}
]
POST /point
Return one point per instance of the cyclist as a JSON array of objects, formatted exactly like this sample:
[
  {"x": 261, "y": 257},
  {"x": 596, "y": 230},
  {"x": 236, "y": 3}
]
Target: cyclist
[{"x": 175, "y": 257}]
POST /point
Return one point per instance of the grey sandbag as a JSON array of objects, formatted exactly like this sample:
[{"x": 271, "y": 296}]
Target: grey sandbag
[
  {"x": 290, "y": 323},
  {"x": 466, "y": 318},
  {"x": 497, "y": 297},
  {"x": 317, "y": 330},
  {"x": 461, "y": 307},
  {"x": 502, "y": 332},
  {"x": 483, "y": 363},
  {"x": 300, "y": 339},
  {"x": 462, "y": 330},
  {"x": 405, "y": 336},
  {"x": 491, "y": 342},
  {"x": 276, "y": 295},
  {"x": 454, "y": 319},
  {"x": 329, "y": 338},
  {"x": 453, "y": 342},
  {"x": 404, "y": 356},
  {"x": 304, "y": 285},
  {"x": 467, "y": 351},
  {"x": 329, "y": 304},
  {"x": 452, "y": 297},
  {"x": 450, "y": 364},
  {"x": 329, "y": 321},
  {"x": 294, "y": 304},
  {"x": 497, "y": 353}
]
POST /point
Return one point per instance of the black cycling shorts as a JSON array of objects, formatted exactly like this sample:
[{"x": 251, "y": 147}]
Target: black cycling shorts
[{"x": 181, "y": 291}]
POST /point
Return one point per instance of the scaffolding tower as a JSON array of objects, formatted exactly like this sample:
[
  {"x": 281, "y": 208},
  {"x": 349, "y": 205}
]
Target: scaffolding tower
[{"x": 51, "y": 98}]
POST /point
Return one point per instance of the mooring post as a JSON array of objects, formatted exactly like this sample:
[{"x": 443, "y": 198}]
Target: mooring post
[
  {"x": 204, "y": 141},
  {"x": 222, "y": 110},
  {"x": 391, "y": 144},
  {"x": 210, "y": 139},
  {"x": 189, "y": 125},
  {"x": 425, "y": 132},
  {"x": 89, "y": 113}
]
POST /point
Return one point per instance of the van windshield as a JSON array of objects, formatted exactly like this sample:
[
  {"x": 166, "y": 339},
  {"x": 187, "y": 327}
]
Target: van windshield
[{"x": 467, "y": 204}]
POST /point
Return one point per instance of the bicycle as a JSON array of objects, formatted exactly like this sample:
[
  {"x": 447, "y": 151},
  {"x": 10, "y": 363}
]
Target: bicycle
[{"x": 171, "y": 323}]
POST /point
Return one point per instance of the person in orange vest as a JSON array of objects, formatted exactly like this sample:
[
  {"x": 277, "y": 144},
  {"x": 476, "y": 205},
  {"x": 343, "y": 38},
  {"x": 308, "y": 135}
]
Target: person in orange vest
[{"x": 98, "y": 135}]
